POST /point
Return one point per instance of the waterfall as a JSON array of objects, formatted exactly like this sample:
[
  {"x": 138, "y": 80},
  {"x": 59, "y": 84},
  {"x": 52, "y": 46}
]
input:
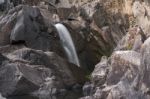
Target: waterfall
[
  {"x": 67, "y": 44},
  {"x": 2, "y": 1}
]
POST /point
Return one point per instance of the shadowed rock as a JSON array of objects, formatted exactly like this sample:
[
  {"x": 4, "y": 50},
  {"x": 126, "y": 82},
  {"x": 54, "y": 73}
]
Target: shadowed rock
[
  {"x": 31, "y": 70},
  {"x": 100, "y": 72}
]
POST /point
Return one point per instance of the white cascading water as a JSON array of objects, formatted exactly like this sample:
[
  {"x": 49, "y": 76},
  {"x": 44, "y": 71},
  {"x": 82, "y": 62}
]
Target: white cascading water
[
  {"x": 67, "y": 43},
  {"x": 2, "y": 1}
]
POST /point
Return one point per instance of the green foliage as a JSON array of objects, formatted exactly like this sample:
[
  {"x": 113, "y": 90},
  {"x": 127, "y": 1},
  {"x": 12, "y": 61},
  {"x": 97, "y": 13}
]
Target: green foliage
[
  {"x": 88, "y": 77},
  {"x": 129, "y": 47}
]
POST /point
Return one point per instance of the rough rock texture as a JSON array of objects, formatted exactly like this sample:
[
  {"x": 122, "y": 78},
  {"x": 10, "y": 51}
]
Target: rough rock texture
[
  {"x": 32, "y": 59},
  {"x": 123, "y": 90},
  {"x": 31, "y": 29},
  {"x": 95, "y": 29},
  {"x": 99, "y": 74},
  {"x": 124, "y": 65},
  {"x": 31, "y": 70},
  {"x": 145, "y": 63},
  {"x": 141, "y": 13},
  {"x": 131, "y": 41},
  {"x": 7, "y": 23},
  {"x": 25, "y": 25},
  {"x": 118, "y": 77}
]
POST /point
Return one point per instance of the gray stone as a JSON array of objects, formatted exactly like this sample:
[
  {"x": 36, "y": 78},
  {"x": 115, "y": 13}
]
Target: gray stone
[
  {"x": 145, "y": 63},
  {"x": 100, "y": 72},
  {"x": 13, "y": 81},
  {"x": 31, "y": 70},
  {"x": 88, "y": 89},
  {"x": 124, "y": 65},
  {"x": 123, "y": 90}
]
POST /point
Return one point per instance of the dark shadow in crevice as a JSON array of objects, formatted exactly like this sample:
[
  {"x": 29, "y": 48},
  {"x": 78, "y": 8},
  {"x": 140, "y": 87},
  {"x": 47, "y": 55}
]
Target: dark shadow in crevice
[{"x": 20, "y": 42}]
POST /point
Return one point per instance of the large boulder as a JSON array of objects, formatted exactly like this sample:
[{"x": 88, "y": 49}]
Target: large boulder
[
  {"x": 124, "y": 65},
  {"x": 119, "y": 77},
  {"x": 145, "y": 64},
  {"x": 15, "y": 80},
  {"x": 123, "y": 90},
  {"x": 31, "y": 70},
  {"x": 26, "y": 25}
]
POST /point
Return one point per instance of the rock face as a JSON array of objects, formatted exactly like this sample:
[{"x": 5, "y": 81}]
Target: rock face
[
  {"x": 99, "y": 74},
  {"x": 94, "y": 34},
  {"x": 31, "y": 29},
  {"x": 121, "y": 76},
  {"x": 131, "y": 41},
  {"x": 124, "y": 90},
  {"x": 145, "y": 63},
  {"x": 93, "y": 28},
  {"x": 124, "y": 65},
  {"x": 32, "y": 59},
  {"x": 31, "y": 70},
  {"x": 141, "y": 13},
  {"x": 25, "y": 25}
]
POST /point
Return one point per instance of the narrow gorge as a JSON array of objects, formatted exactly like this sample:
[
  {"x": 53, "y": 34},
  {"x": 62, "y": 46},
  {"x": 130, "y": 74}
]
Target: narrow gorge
[{"x": 74, "y": 49}]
